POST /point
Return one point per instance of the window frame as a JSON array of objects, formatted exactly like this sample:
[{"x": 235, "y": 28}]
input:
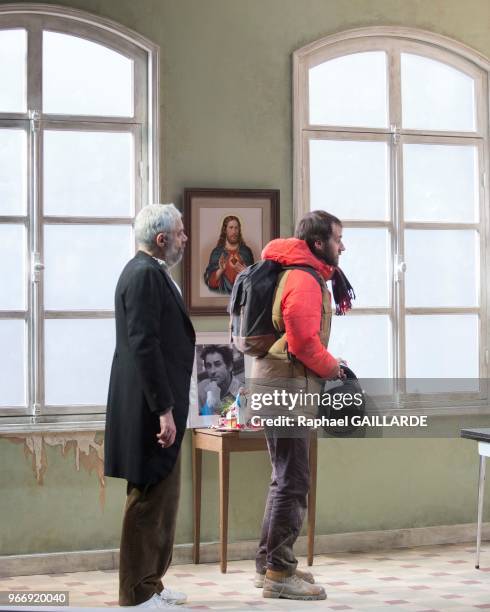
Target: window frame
[
  {"x": 394, "y": 41},
  {"x": 143, "y": 124}
]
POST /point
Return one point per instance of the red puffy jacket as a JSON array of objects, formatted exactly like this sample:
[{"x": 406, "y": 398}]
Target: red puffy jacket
[{"x": 301, "y": 304}]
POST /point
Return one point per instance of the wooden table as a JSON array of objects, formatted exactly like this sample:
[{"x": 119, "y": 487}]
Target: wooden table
[
  {"x": 224, "y": 443},
  {"x": 482, "y": 436}
]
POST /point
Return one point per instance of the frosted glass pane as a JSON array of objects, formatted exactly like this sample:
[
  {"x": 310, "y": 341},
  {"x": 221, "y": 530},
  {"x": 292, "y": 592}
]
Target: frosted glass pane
[
  {"x": 78, "y": 356},
  {"x": 350, "y": 90},
  {"x": 436, "y": 96},
  {"x": 440, "y": 183},
  {"x": 12, "y": 267},
  {"x": 369, "y": 276},
  {"x": 442, "y": 346},
  {"x": 350, "y": 179},
  {"x": 13, "y": 71},
  {"x": 83, "y": 263},
  {"x": 364, "y": 341},
  {"x": 81, "y": 77},
  {"x": 88, "y": 174},
  {"x": 13, "y": 363},
  {"x": 13, "y": 172},
  {"x": 442, "y": 268}
]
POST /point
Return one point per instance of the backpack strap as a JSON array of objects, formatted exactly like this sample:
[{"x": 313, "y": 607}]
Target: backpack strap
[
  {"x": 278, "y": 298},
  {"x": 310, "y": 270}
]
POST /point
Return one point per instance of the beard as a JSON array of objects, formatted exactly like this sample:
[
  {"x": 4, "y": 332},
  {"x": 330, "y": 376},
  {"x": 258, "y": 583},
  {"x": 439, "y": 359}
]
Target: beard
[
  {"x": 173, "y": 255},
  {"x": 327, "y": 256}
]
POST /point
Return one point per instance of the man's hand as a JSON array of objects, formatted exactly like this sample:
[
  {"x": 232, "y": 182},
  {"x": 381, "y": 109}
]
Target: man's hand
[
  {"x": 221, "y": 266},
  {"x": 166, "y": 437},
  {"x": 213, "y": 395},
  {"x": 341, "y": 362}
]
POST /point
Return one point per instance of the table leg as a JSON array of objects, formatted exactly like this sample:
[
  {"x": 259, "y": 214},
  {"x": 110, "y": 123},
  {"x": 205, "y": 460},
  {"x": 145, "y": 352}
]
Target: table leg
[
  {"x": 312, "y": 496},
  {"x": 224, "y": 486},
  {"x": 196, "y": 491},
  {"x": 481, "y": 489}
]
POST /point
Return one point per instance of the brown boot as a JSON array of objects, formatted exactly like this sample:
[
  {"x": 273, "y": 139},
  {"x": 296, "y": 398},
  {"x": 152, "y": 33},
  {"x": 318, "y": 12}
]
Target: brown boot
[
  {"x": 281, "y": 585},
  {"x": 306, "y": 576}
]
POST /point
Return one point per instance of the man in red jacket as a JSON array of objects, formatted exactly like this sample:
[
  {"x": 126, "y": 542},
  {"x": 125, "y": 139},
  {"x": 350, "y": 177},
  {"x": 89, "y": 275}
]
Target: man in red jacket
[{"x": 302, "y": 315}]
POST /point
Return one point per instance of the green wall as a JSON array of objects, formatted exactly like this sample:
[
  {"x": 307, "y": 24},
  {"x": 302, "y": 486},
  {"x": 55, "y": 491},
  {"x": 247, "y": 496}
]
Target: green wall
[
  {"x": 362, "y": 485},
  {"x": 226, "y": 122}
]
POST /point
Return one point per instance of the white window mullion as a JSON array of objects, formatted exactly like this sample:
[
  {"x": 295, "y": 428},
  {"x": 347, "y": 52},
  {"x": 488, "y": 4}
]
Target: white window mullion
[
  {"x": 35, "y": 258},
  {"x": 34, "y": 66},
  {"x": 397, "y": 260},
  {"x": 394, "y": 91},
  {"x": 484, "y": 256},
  {"x": 36, "y": 360},
  {"x": 34, "y": 243}
]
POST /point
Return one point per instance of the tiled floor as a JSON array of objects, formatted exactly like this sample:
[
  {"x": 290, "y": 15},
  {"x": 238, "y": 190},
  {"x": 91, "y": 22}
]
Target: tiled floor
[{"x": 426, "y": 579}]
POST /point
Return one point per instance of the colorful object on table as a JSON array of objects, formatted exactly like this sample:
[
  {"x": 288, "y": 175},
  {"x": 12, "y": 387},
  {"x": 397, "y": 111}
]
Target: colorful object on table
[
  {"x": 230, "y": 414},
  {"x": 233, "y": 414}
]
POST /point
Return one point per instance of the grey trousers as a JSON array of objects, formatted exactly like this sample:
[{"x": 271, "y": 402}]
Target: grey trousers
[
  {"x": 286, "y": 502},
  {"x": 147, "y": 538}
]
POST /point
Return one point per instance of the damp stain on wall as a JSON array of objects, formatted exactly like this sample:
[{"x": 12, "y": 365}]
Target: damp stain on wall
[{"x": 87, "y": 446}]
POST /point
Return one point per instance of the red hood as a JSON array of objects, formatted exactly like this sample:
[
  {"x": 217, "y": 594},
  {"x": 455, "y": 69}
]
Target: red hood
[{"x": 295, "y": 252}]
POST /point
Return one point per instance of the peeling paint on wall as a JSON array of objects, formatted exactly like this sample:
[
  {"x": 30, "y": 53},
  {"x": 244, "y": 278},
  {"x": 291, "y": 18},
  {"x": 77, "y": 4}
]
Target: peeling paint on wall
[{"x": 87, "y": 446}]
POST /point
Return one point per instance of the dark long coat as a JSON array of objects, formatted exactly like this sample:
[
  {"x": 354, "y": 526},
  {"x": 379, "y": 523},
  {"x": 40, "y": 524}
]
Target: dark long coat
[{"x": 151, "y": 372}]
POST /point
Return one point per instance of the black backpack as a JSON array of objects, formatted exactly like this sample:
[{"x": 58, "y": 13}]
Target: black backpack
[{"x": 250, "y": 308}]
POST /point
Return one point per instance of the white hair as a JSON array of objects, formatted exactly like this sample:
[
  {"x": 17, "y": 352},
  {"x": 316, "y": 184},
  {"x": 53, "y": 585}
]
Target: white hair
[{"x": 155, "y": 219}]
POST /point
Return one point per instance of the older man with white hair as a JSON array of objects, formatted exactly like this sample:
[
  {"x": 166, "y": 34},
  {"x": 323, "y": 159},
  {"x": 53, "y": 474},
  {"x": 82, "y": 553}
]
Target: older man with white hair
[{"x": 148, "y": 404}]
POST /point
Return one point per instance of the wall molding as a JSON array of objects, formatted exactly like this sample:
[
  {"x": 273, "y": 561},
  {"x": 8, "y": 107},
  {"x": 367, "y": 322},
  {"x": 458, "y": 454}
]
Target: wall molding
[{"x": 360, "y": 541}]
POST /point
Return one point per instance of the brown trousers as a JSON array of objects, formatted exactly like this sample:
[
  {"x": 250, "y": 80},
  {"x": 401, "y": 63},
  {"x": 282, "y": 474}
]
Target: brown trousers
[
  {"x": 147, "y": 538},
  {"x": 286, "y": 502}
]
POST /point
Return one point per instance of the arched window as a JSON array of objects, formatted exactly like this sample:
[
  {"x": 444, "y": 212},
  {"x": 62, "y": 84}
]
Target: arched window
[
  {"x": 78, "y": 159},
  {"x": 391, "y": 136}
]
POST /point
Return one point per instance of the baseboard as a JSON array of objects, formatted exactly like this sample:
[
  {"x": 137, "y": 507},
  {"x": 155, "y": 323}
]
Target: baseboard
[{"x": 361, "y": 541}]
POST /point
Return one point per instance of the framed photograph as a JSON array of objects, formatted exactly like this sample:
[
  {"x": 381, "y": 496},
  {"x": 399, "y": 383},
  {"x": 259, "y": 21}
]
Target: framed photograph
[
  {"x": 220, "y": 370},
  {"x": 227, "y": 230}
]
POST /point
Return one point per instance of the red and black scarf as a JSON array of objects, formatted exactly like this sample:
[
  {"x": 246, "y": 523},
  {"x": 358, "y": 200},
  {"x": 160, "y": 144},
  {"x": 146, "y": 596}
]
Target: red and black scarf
[{"x": 343, "y": 292}]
